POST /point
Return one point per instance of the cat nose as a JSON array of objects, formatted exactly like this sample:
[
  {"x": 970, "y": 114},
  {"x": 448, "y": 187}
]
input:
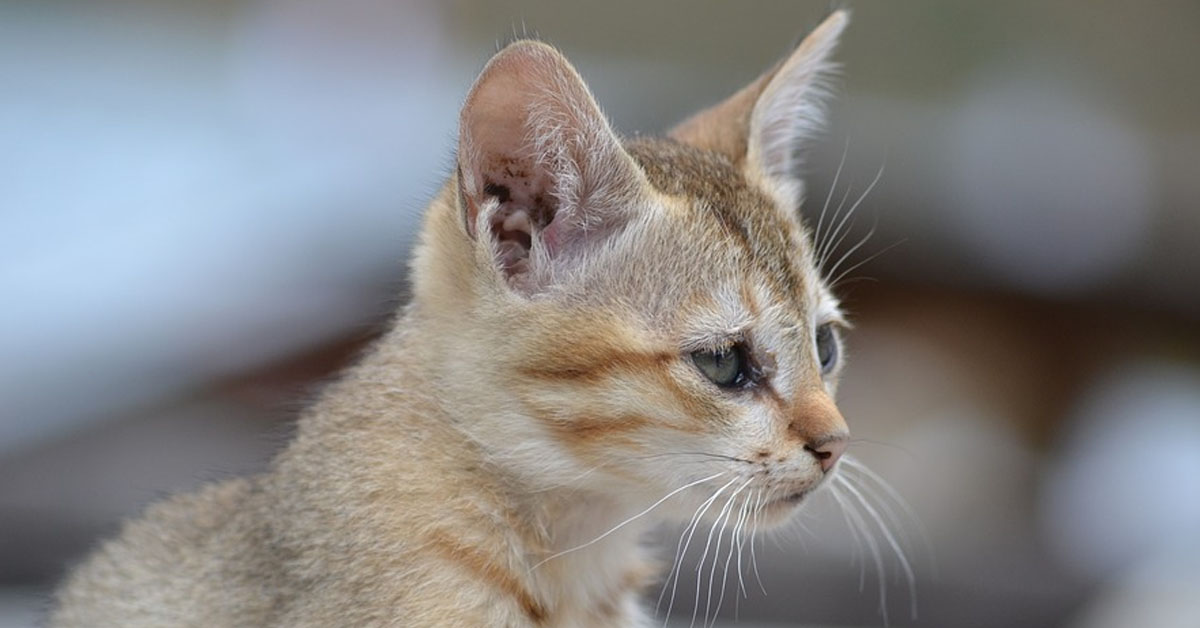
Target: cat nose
[
  {"x": 817, "y": 424},
  {"x": 828, "y": 450}
]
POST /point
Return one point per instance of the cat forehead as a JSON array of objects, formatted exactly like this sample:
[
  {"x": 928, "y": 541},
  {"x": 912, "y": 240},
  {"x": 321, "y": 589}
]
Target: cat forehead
[
  {"x": 723, "y": 201},
  {"x": 680, "y": 169}
]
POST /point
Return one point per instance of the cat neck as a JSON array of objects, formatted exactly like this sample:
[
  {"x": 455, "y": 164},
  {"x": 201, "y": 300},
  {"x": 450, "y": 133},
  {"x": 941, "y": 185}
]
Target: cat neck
[{"x": 591, "y": 561}]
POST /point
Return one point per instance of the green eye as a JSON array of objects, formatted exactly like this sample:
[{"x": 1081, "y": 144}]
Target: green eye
[
  {"x": 725, "y": 368},
  {"x": 827, "y": 348}
]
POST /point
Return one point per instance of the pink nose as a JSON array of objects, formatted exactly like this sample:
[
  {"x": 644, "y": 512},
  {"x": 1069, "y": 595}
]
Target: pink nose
[{"x": 827, "y": 451}]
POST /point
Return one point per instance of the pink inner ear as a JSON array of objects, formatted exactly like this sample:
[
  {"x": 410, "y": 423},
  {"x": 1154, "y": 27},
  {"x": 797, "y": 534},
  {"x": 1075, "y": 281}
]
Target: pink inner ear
[
  {"x": 552, "y": 237},
  {"x": 532, "y": 138},
  {"x": 525, "y": 210}
]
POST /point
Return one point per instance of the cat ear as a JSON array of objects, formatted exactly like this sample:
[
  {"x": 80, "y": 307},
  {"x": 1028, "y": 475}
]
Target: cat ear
[
  {"x": 542, "y": 178},
  {"x": 762, "y": 126}
]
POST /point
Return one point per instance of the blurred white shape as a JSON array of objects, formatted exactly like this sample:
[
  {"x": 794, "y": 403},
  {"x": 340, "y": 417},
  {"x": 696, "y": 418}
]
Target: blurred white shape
[
  {"x": 1053, "y": 192},
  {"x": 1125, "y": 489}
]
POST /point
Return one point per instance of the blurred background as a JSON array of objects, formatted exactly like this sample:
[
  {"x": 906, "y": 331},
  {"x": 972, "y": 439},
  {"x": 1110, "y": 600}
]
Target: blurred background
[{"x": 206, "y": 207}]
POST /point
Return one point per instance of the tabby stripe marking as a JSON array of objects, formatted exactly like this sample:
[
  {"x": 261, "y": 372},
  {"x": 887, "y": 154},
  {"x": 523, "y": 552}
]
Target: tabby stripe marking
[{"x": 479, "y": 563}]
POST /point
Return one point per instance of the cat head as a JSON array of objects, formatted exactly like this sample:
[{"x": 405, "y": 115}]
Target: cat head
[{"x": 634, "y": 316}]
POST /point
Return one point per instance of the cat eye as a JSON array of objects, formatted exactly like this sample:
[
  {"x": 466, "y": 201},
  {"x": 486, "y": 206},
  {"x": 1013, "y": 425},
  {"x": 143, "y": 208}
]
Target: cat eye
[
  {"x": 727, "y": 368},
  {"x": 827, "y": 348}
]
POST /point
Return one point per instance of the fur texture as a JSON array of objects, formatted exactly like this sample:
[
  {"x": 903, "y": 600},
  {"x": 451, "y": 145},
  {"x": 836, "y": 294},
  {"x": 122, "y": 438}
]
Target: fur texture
[{"x": 497, "y": 457}]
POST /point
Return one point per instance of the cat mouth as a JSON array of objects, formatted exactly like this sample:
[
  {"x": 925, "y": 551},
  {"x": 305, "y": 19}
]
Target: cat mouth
[
  {"x": 779, "y": 509},
  {"x": 788, "y": 500}
]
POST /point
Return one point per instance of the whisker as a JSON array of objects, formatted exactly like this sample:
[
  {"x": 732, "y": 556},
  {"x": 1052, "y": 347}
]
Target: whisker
[
  {"x": 742, "y": 541},
  {"x": 678, "y": 564},
  {"x": 753, "y": 533},
  {"x": 831, "y": 239},
  {"x": 851, "y": 280},
  {"x": 889, "y": 514},
  {"x": 829, "y": 250},
  {"x": 891, "y": 539},
  {"x": 692, "y": 524},
  {"x": 867, "y": 474},
  {"x": 824, "y": 249},
  {"x": 832, "y": 187},
  {"x": 733, "y": 542},
  {"x": 858, "y": 552},
  {"x": 720, "y": 526},
  {"x": 857, "y": 466},
  {"x": 875, "y": 554},
  {"x": 798, "y": 527},
  {"x": 723, "y": 524},
  {"x": 627, "y": 521},
  {"x": 851, "y": 269},
  {"x": 573, "y": 481},
  {"x": 851, "y": 250},
  {"x": 691, "y": 453},
  {"x": 707, "y": 546}
]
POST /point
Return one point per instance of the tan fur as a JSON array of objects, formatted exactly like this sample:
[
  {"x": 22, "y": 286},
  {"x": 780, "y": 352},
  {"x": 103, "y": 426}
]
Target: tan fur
[{"x": 472, "y": 469}]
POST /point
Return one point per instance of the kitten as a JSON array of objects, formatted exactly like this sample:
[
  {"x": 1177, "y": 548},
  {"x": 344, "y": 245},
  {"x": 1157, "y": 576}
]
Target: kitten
[{"x": 604, "y": 334}]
